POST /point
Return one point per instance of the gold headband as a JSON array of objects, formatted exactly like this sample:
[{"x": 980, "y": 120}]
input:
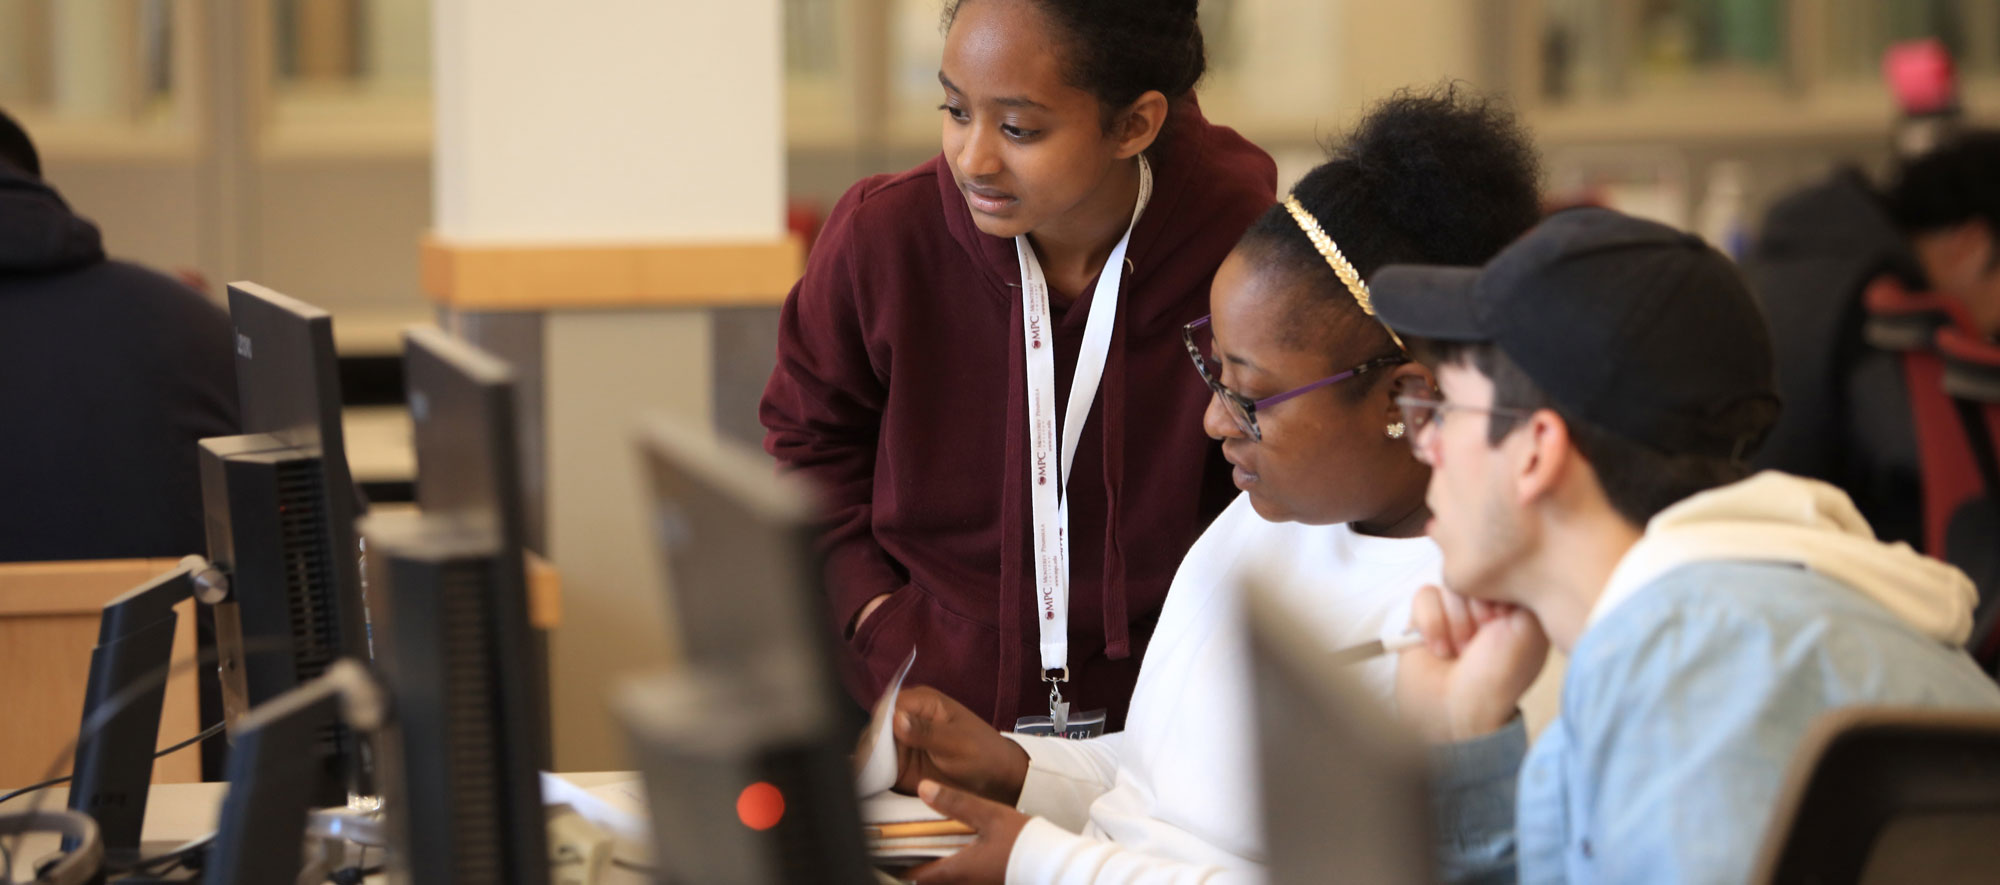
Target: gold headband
[{"x": 1349, "y": 277}]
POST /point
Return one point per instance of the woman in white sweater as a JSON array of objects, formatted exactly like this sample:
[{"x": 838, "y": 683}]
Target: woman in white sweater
[{"x": 1303, "y": 379}]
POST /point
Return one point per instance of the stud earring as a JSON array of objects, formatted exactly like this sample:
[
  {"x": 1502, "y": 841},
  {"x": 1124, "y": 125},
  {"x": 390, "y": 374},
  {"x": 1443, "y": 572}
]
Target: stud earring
[{"x": 1397, "y": 430}]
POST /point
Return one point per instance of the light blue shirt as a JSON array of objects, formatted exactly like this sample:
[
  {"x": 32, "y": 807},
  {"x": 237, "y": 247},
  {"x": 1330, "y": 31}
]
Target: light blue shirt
[{"x": 1681, "y": 711}]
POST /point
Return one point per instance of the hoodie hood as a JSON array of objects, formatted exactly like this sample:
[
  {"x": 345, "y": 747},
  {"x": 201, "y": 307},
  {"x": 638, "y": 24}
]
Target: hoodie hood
[
  {"x": 38, "y": 232},
  {"x": 1842, "y": 221},
  {"x": 1817, "y": 253},
  {"x": 1778, "y": 518}
]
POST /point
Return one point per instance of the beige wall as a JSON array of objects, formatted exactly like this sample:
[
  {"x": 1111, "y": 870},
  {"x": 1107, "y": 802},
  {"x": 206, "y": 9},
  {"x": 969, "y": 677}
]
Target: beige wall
[
  {"x": 605, "y": 369},
  {"x": 340, "y": 233},
  {"x": 608, "y": 122}
]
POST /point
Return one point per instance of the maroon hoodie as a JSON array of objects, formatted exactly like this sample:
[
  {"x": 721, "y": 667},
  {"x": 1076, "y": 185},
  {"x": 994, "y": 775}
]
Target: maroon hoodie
[{"x": 900, "y": 390}]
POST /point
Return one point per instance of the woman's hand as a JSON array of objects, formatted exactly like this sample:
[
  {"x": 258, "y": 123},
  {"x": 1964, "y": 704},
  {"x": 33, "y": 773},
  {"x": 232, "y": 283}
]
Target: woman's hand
[
  {"x": 938, "y": 739},
  {"x": 985, "y": 860}
]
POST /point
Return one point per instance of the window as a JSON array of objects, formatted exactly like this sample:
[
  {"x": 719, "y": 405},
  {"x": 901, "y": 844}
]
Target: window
[
  {"x": 1593, "y": 50},
  {"x": 93, "y": 64}
]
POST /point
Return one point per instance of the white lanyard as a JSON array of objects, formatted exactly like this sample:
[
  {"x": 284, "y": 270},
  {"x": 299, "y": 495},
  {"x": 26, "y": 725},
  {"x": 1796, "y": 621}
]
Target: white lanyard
[{"x": 1050, "y": 494}]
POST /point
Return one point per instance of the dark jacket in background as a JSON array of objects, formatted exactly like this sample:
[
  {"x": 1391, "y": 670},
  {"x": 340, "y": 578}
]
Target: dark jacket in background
[
  {"x": 1846, "y": 415},
  {"x": 109, "y": 375}
]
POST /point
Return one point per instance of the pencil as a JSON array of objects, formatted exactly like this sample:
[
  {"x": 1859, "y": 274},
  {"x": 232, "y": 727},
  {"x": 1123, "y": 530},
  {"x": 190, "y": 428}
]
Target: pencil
[
  {"x": 918, "y": 828},
  {"x": 1376, "y": 648}
]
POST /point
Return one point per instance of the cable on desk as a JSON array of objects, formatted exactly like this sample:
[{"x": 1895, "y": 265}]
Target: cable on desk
[
  {"x": 205, "y": 734},
  {"x": 117, "y": 703},
  {"x": 55, "y": 782},
  {"x": 355, "y": 875},
  {"x": 159, "y": 863}
]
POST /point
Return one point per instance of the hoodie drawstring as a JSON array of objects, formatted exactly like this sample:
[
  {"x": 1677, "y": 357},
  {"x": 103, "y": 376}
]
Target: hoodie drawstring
[{"x": 1117, "y": 629}]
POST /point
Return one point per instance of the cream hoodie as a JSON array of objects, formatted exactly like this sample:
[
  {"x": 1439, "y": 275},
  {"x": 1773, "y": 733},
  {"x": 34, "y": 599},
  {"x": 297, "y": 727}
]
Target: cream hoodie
[{"x": 1776, "y": 517}]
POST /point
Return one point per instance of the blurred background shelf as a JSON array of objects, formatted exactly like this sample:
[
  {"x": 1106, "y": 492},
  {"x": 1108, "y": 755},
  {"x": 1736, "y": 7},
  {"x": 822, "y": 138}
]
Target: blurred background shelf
[{"x": 291, "y": 140}]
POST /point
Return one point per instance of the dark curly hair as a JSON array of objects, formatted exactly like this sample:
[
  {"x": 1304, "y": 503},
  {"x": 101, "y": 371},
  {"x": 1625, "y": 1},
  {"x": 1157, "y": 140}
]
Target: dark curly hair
[
  {"x": 1440, "y": 177},
  {"x": 1118, "y": 50}
]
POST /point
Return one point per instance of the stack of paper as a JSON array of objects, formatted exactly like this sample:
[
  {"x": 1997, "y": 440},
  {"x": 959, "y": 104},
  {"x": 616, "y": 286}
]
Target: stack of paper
[{"x": 901, "y": 830}]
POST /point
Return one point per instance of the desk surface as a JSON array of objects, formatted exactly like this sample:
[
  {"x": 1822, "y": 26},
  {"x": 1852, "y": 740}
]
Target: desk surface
[
  {"x": 377, "y": 331},
  {"x": 180, "y": 813},
  {"x": 379, "y": 442}
]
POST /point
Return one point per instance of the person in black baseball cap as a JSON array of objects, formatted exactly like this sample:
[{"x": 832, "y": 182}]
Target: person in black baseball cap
[{"x": 1601, "y": 385}]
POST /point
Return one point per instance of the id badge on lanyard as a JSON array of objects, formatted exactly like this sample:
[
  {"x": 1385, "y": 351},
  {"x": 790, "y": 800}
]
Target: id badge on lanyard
[{"x": 1049, "y": 461}]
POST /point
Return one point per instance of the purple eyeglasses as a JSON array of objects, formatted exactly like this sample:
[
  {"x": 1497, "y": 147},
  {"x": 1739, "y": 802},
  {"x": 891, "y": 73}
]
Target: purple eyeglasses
[{"x": 1243, "y": 408}]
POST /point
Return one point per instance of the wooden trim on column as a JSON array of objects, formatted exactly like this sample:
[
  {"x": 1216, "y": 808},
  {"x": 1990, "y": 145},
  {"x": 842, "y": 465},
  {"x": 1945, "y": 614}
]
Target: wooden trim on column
[
  {"x": 526, "y": 277},
  {"x": 544, "y": 593}
]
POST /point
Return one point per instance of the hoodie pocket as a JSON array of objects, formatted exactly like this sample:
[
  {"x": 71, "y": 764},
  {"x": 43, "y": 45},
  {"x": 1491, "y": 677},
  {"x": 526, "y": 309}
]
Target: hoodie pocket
[
  {"x": 866, "y": 635},
  {"x": 955, "y": 654}
]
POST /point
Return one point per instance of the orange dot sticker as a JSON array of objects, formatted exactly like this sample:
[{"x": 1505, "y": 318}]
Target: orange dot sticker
[{"x": 760, "y": 806}]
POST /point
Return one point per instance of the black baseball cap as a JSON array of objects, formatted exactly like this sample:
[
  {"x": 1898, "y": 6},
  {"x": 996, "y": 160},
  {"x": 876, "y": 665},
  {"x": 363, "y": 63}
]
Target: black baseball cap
[{"x": 1632, "y": 326}]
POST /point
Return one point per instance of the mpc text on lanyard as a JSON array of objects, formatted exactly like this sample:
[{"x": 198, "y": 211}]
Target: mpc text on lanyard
[{"x": 1051, "y": 499}]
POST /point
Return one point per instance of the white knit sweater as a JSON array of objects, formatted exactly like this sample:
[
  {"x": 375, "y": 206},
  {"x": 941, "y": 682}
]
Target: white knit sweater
[{"x": 1173, "y": 797}]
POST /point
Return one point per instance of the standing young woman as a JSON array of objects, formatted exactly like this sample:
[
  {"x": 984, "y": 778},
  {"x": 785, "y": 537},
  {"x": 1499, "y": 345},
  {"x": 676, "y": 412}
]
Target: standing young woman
[{"x": 983, "y": 366}]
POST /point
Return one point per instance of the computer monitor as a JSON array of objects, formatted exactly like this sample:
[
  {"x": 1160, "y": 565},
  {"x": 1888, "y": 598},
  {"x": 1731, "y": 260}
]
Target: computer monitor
[
  {"x": 280, "y": 510},
  {"x": 1344, "y": 795},
  {"x": 449, "y": 594},
  {"x": 260, "y": 834},
  {"x": 288, "y": 384},
  {"x": 113, "y": 772},
  {"x": 740, "y": 547},
  {"x": 744, "y": 750}
]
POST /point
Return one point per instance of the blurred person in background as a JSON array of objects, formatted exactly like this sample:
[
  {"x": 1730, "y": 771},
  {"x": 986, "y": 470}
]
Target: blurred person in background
[
  {"x": 1934, "y": 233},
  {"x": 1847, "y": 417},
  {"x": 112, "y": 374},
  {"x": 1946, "y": 204}
]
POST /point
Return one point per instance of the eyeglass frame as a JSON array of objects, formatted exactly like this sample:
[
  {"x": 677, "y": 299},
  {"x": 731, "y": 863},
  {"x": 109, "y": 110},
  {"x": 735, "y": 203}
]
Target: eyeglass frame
[
  {"x": 1434, "y": 409},
  {"x": 1245, "y": 409}
]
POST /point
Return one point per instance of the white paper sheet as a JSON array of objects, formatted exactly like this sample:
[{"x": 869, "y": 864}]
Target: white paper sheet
[{"x": 876, "y": 757}]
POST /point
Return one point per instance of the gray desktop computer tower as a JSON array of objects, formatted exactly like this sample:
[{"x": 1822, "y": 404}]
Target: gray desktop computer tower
[{"x": 284, "y": 622}]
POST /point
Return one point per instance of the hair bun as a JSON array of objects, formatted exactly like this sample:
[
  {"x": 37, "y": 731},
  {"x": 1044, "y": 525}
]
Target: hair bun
[
  {"x": 1442, "y": 161},
  {"x": 1441, "y": 177}
]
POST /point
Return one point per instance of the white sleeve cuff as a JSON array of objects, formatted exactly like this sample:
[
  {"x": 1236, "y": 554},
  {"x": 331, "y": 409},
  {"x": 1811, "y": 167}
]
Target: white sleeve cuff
[
  {"x": 1066, "y": 776},
  {"x": 1046, "y": 855},
  {"x": 1039, "y": 852}
]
